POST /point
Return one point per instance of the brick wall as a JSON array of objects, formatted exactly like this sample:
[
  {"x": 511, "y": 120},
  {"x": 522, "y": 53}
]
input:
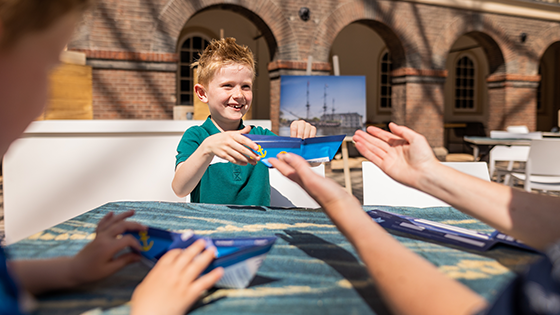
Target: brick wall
[
  {"x": 123, "y": 94},
  {"x": 140, "y": 82}
]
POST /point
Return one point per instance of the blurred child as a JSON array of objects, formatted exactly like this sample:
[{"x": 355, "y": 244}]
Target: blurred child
[
  {"x": 32, "y": 36},
  {"x": 215, "y": 163}
]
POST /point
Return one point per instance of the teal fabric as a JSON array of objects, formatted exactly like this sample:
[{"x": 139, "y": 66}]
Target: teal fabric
[
  {"x": 226, "y": 183},
  {"x": 312, "y": 268}
]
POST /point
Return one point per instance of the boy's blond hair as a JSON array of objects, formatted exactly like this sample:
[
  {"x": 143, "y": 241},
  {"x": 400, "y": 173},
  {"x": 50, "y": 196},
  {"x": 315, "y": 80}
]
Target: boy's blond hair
[
  {"x": 221, "y": 53},
  {"x": 21, "y": 17}
]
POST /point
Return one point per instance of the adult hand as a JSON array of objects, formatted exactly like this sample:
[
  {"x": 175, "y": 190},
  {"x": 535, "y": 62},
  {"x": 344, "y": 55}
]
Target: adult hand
[
  {"x": 97, "y": 259},
  {"x": 173, "y": 285},
  {"x": 233, "y": 146},
  {"x": 302, "y": 129},
  {"x": 403, "y": 154}
]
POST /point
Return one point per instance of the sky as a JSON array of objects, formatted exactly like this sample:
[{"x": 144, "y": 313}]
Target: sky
[{"x": 348, "y": 92}]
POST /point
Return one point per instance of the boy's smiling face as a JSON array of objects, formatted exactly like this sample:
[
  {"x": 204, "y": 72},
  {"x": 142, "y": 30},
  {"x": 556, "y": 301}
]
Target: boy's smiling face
[{"x": 229, "y": 95}]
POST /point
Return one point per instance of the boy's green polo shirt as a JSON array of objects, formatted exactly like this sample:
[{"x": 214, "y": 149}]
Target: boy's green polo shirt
[{"x": 225, "y": 182}]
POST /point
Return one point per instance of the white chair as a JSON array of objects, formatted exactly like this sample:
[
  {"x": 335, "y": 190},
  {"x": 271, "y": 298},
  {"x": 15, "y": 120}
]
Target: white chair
[
  {"x": 286, "y": 193},
  {"x": 381, "y": 190},
  {"x": 511, "y": 154},
  {"x": 517, "y": 129},
  {"x": 499, "y": 134},
  {"x": 542, "y": 170}
]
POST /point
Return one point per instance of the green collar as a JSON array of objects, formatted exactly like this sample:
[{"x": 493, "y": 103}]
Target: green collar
[{"x": 209, "y": 126}]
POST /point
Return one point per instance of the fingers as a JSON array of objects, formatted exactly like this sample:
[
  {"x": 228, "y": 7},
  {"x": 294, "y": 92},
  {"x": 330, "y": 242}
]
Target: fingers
[
  {"x": 247, "y": 129},
  {"x": 208, "y": 280},
  {"x": 285, "y": 169},
  {"x": 189, "y": 262},
  {"x": 124, "y": 242},
  {"x": 294, "y": 167},
  {"x": 110, "y": 219},
  {"x": 123, "y": 226},
  {"x": 122, "y": 261},
  {"x": 302, "y": 129},
  {"x": 403, "y": 132},
  {"x": 235, "y": 147},
  {"x": 370, "y": 146}
]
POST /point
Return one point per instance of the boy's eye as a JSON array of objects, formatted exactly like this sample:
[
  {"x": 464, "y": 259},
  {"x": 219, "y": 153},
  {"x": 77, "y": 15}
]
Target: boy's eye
[{"x": 247, "y": 87}]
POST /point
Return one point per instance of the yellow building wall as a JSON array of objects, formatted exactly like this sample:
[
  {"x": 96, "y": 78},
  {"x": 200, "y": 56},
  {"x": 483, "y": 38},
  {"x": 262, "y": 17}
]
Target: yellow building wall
[{"x": 70, "y": 94}]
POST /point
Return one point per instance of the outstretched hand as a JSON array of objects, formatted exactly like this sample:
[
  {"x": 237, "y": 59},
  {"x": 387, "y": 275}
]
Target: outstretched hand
[
  {"x": 403, "y": 154},
  {"x": 173, "y": 285},
  {"x": 233, "y": 146},
  {"x": 97, "y": 259}
]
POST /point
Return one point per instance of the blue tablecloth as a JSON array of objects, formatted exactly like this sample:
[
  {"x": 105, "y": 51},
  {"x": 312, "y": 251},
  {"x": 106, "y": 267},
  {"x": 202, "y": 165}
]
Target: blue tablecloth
[{"x": 311, "y": 269}]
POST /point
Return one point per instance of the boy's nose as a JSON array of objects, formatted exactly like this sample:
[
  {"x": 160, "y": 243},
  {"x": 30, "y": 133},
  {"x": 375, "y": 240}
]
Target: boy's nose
[{"x": 237, "y": 93}]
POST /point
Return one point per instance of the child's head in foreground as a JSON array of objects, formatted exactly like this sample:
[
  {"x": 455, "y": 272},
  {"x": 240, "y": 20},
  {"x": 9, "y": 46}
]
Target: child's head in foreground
[
  {"x": 32, "y": 35},
  {"x": 226, "y": 72}
]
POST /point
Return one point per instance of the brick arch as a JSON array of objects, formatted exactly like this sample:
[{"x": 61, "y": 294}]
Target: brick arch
[
  {"x": 264, "y": 14},
  {"x": 545, "y": 40},
  {"x": 356, "y": 12},
  {"x": 487, "y": 33}
]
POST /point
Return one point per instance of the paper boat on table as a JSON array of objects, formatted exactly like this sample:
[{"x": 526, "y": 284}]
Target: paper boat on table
[
  {"x": 240, "y": 257},
  {"x": 444, "y": 233},
  {"x": 318, "y": 149}
]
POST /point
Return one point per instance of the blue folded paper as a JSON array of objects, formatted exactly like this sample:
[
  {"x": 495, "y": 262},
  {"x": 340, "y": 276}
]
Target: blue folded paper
[
  {"x": 318, "y": 149},
  {"x": 240, "y": 257},
  {"x": 444, "y": 233}
]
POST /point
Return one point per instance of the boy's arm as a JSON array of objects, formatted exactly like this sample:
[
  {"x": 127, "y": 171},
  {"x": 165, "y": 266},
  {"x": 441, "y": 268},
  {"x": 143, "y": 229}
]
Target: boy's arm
[
  {"x": 229, "y": 145},
  {"x": 408, "y": 283},
  {"x": 407, "y": 157},
  {"x": 92, "y": 263}
]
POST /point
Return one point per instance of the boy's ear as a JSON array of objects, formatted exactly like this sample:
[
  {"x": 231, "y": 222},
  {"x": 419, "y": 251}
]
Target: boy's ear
[{"x": 200, "y": 91}]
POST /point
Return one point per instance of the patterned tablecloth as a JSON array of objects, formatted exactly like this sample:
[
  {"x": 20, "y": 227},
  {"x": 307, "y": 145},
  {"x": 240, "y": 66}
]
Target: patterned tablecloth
[{"x": 312, "y": 268}]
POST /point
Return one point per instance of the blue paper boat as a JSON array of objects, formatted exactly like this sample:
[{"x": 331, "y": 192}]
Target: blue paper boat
[
  {"x": 444, "y": 233},
  {"x": 318, "y": 149},
  {"x": 240, "y": 257}
]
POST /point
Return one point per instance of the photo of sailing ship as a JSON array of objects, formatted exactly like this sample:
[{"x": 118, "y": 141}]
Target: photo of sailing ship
[{"x": 334, "y": 104}]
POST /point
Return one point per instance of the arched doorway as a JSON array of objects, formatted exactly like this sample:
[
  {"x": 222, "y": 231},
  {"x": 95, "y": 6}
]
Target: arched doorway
[
  {"x": 466, "y": 93},
  {"x": 361, "y": 50},
  {"x": 237, "y": 22},
  {"x": 548, "y": 92}
]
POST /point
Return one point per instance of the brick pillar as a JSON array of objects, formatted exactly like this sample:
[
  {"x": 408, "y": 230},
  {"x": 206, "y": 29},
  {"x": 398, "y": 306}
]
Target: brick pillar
[
  {"x": 512, "y": 101},
  {"x": 275, "y": 104},
  {"x": 418, "y": 103}
]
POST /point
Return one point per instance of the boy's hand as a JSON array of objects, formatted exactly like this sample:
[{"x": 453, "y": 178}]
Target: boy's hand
[
  {"x": 302, "y": 129},
  {"x": 96, "y": 260},
  {"x": 173, "y": 285},
  {"x": 233, "y": 147}
]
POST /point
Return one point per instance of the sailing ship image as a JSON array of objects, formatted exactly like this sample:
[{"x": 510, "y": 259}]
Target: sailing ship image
[{"x": 328, "y": 120}]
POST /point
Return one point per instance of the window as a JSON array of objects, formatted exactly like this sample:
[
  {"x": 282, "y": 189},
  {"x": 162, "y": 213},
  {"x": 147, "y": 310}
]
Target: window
[
  {"x": 190, "y": 49},
  {"x": 386, "y": 67},
  {"x": 465, "y": 85}
]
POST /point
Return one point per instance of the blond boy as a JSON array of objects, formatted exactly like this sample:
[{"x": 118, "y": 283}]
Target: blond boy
[{"x": 215, "y": 163}]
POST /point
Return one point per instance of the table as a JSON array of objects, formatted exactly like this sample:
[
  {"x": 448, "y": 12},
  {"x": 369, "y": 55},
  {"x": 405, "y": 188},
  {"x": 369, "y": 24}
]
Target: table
[
  {"x": 477, "y": 141},
  {"x": 311, "y": 269}
]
